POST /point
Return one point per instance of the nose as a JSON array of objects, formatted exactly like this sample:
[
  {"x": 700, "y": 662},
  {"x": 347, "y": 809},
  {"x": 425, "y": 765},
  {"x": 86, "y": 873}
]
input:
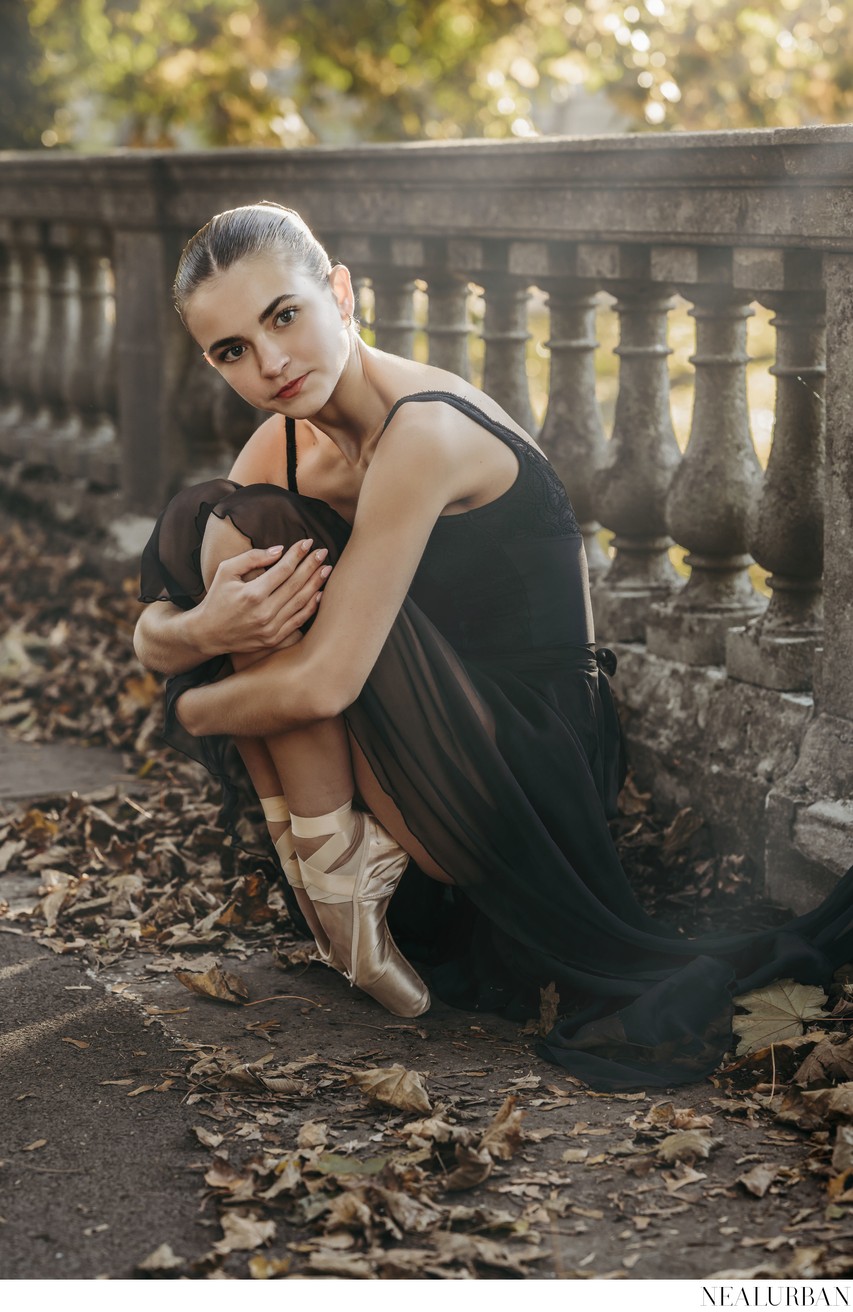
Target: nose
[{"x": 273, "y": 360}]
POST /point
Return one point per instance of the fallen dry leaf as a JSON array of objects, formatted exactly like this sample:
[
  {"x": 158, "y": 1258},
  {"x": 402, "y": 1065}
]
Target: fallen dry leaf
[
  {"x": 243, "y": 1231},
  {"x": 830, "y": 1060},
  {"x": 842, "y": 1149},
  {"x": 474, "y": 1166},
  {"x": 207, "y": 1137},
  {"x": 686, "y": 1146},
  {"x": 812, "y": 1109},
  {"x": 345, "y": 1265},
  {"x": 503, "y": 1136},
  {"x": 313, "y": 1134},
  {"x": 268, "y": 1268},
  {"x": 393, "y": 1085},
  {"x": 77, "y": 1043},
  {"x": 549, "y": 1009},
  {"x": 759, "y": 1178},
  {"x": 162, "y": 1259},
  {"x": 223, "y": 985},
  {"x": 36, "y": 1143},
  {"x": 779, "y": 1011}
]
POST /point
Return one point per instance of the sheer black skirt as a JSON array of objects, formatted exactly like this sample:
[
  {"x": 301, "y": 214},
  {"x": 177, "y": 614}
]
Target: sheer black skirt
[{"x": 507, "y": 771}]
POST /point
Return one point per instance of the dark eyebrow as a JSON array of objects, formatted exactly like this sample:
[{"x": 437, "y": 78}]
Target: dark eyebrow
[{"x": 262, "y": 318}]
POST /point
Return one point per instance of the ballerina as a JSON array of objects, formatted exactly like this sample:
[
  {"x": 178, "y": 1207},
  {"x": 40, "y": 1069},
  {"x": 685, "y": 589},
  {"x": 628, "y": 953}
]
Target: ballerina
[{"x": 445, "y": 701}]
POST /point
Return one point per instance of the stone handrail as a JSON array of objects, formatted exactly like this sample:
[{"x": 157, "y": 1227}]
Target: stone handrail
[{"x": 101, "y": 390}]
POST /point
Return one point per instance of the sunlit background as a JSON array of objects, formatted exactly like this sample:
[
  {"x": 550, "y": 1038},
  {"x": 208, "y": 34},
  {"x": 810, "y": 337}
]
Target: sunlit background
[
  {"x": 189, "y": 74},
  {"x": 90, "y": 75}
]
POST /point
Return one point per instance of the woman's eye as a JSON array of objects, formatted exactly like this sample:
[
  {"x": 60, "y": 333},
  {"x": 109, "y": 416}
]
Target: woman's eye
[
  {"x": 289, "y": 311},
  {"x": 233, "y": 353}
]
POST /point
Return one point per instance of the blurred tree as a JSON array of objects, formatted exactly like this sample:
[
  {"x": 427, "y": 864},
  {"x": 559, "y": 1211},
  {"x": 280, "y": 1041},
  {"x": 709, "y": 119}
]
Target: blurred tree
[
  {"x": 25, "y": 108},
  {"x": 272, "y": 72}
]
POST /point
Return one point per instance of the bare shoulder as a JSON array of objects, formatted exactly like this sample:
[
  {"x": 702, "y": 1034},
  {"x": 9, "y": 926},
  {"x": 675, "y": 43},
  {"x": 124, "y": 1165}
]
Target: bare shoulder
[
  {"x": 414, "y": 378},
  {"x": 264, "y": 458}
]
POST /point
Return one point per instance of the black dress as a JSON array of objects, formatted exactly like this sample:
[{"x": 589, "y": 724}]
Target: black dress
[{"x": 488, "y": 718}]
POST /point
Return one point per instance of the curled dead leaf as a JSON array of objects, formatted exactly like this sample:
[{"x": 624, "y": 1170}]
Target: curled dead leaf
[
  {"x": 474, "y": 1166},
  {"x": 813, "y": 1109},
  {"x": 504, "y": 1135},
  {"x": 223, "y": 985},
  {"x": 842, "y": 1149},
  {"x": 758, "y": 1179},
  {"x": 829, "y": 1060},
  {"x": 549, "y": 1009},
  {"x": 686, "y": 1146},
  {"x": 207, "y": 1137},
  {"x": 393, "y": 1085},
  {"x": 243, "y": 1231},
  {"x": 313, "y": 1134}
]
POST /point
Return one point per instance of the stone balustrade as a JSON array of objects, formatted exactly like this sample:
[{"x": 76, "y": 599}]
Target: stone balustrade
[{"x": 736, "y": 705}]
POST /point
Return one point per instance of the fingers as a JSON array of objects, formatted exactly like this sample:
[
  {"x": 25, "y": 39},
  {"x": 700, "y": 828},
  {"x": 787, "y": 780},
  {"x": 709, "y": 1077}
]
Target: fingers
[
  {"x": 295, "y": 568},
  {"x": 301, "y": 617},
  {"x": 255, "y": 558}
]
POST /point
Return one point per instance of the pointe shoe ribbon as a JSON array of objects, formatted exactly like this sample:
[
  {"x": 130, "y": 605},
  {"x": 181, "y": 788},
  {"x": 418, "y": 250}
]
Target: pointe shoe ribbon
[
  {"x": 276, "y": 811},
  {"x": 351, "y": 903}
]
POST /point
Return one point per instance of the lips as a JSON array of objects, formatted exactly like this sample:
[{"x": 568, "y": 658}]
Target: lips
[{"x": 292, "y": 389}]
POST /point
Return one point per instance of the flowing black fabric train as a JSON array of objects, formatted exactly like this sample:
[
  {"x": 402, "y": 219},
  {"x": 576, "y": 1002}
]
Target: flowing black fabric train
[{"x": 489, "y": 720}]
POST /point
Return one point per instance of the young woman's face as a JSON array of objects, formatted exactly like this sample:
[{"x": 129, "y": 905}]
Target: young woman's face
[{"x": 277, "y": 336}]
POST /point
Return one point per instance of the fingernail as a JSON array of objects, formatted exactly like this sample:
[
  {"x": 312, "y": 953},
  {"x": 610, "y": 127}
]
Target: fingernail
[
  {"x": 273, "y": 551},
  {"x": 306, "y": 543},
  {"x": 322, "y": 554},
  {"x": 317, "y": 596},
  {"x": 325, "y": 571}
]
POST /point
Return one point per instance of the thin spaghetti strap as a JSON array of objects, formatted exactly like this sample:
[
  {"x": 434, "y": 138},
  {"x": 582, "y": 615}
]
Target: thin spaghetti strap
[
  {"x": 467, "y": 407},
  {"x": 290, "y": 438}
]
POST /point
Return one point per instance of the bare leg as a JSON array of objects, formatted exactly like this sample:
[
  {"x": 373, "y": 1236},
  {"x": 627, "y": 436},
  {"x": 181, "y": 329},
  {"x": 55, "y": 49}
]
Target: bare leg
[
  {"x": 311, "y": 766},
  {"x": 347, "y": 863}
]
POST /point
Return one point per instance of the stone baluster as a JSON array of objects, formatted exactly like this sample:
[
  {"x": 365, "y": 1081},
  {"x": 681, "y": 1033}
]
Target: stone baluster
[
  {"x": 572, "y": 435},
  {"x": 629, "y": 489},
  {"x": 777, "y": 650},
  {"x": 448, "y": 326},
  {"x": 151, "y": 348},
  {"x": 94, "y": 388},
  {"x": 505, "y": 336},
  {"x": 393, "y": 317},
  {"x": 30, "y": 352},
  {"x": 11, "y": 335},
  {"x": 834, "y": 690},
  {"x": 58, "y": 433},
  {"x": 202, "y": 411},
  {"x": 713, "y": 491}
]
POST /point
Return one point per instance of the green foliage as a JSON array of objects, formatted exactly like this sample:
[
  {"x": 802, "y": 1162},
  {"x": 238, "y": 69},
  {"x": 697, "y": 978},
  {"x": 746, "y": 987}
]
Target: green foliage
[{"x": 273, "y": 72}]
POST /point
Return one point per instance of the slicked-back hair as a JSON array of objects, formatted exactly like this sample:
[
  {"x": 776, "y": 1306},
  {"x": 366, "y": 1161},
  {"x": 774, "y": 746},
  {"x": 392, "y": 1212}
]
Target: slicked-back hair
[{"x": 249, "y": 230}]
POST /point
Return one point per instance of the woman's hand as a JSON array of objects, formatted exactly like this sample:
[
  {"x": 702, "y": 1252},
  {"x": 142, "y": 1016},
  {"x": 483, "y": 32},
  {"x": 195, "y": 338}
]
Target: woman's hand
[{"x": 259, "y": 599}]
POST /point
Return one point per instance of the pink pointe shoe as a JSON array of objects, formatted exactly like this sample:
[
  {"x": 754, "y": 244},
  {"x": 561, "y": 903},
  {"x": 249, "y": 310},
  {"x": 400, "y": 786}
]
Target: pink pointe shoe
[{"x": 351, "y": 902}]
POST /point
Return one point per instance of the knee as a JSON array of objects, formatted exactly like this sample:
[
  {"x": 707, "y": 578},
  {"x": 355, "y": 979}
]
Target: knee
[{"x": 265, "y": 515}]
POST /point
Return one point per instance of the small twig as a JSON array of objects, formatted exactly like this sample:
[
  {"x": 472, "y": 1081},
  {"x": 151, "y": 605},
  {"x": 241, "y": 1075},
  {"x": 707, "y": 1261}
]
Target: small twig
[
  {"x": 279, "y": 997},
  {"x": 773, "y": 1062}
]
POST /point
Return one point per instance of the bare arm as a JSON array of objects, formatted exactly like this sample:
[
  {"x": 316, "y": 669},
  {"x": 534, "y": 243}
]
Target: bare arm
[
  {"x": 240, "y": 613},
  {"x": 416, "y": 472}
]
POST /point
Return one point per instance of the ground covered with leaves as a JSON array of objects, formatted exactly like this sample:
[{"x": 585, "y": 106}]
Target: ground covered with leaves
[{"x": 339, "y": 1142}]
